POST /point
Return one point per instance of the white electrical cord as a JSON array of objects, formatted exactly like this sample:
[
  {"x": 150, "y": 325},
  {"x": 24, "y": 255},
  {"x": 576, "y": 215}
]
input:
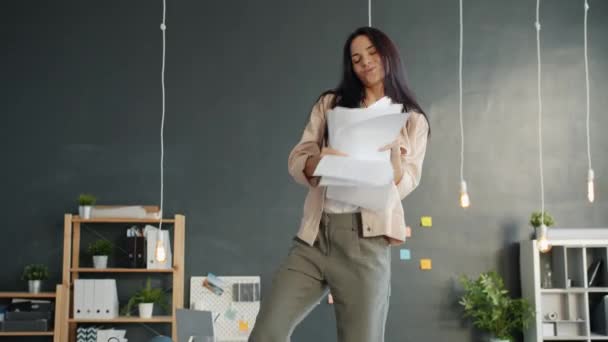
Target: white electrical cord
[
  {"x": 163, "y": 28},
  {"x": 587, "y": 85},
  {"x": 590, "y": 173},
  {"x": 540, "y": 114},
  {"x": 369, "y": 13},
  {"x": 460, "y": 97}
]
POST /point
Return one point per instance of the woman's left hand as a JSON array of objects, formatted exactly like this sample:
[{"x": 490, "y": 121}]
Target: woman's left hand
[{"x": 395, "y": 159}]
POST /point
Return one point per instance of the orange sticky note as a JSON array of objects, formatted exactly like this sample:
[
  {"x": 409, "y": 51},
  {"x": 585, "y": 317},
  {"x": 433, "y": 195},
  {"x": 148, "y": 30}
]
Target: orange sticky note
[
  {"x": 425, "y": 264},
  {"x": 408, "y": 231},
  {"x": 330, "y": 299},
  {"x": 426, "y": 221},
  {"x": 243, "y": 325}
]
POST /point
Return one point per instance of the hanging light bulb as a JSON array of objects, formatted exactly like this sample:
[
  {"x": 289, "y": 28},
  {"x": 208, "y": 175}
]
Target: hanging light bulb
[
  {"x": 591, "y": 186},
  {"x": 543, "y": 243},
  {"x": 465, "y": 201},
  {"x": 160, "y": 253}
]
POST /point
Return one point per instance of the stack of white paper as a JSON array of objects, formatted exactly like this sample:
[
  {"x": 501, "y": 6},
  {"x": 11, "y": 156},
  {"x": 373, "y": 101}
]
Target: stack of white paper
[
  {"x": 364, "y": 178},
  {"x": 133, "y": 211}
]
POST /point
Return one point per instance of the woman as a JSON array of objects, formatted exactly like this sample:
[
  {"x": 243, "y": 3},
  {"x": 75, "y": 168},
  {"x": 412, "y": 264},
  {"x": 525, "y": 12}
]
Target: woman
[{"x": 340, "y": 247}]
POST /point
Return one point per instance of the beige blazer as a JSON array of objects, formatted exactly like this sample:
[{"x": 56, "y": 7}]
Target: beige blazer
[{"x": 391, "y": 222}]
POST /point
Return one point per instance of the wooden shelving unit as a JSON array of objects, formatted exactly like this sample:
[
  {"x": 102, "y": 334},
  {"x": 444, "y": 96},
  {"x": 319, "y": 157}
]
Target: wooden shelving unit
[
  {"x": 58, "y": 296},
  {"x": 72, "y": 269}
]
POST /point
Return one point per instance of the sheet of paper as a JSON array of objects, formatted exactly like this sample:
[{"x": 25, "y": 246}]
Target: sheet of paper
[
  {"x": 363, "y": 139},
  {"x": 365, "y": 172},
  {"x": 327, "y": 181},
  {"x": 365, "y": 177},
  {"x": 343, "y": 117},
  {"x": 375, "y": 198}
]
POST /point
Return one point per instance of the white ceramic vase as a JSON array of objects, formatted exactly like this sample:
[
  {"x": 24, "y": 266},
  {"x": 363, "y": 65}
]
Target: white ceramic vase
[
  {"x": 84, "y": 211},
  {"x": 494, "y": 339},
  {"x": 145, "y": 310},
  {"x": 100, "y": 261},
  {"x": 34, "y": 286}
]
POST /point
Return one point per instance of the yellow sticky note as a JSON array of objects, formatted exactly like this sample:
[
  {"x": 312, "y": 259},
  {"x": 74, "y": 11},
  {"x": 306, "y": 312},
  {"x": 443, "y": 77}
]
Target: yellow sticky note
[
  {"x": 426, "y": 221},
  {"x": 330, "y": 299},
  {"x": 408, "y": 231},
  {"x": 243, "y": 325},
  {"x": 425, "y": 264}
]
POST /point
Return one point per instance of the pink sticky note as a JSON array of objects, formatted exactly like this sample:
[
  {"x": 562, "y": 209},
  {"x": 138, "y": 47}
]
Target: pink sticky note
[
  {"x": 330, "y": 299},
  {"x": 408, "y": 231}
]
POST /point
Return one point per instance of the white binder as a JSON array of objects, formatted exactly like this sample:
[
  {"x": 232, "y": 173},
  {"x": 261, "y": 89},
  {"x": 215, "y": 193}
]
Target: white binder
[
  {"x": 105, "y": 302},
  {"x": 110, "y": 305},
  {"x": 89, "y": 296},
  {"x": 79, "y": 298}
]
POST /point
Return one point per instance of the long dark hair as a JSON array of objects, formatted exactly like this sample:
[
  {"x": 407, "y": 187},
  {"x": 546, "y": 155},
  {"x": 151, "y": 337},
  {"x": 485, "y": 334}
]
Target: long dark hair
[{"x": 350, "y": 92}]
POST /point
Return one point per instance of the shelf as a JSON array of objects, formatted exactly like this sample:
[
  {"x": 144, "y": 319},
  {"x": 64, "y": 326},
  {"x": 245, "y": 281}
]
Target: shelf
[
  {"x": 72, "y": 269},
  {"x": 576, "y": 290},
  {"x": 26, "y": 333},
  {"x": 598, "y": 336},
  {"x": 125, "y": 319},
  {"x": 120, "y": 270},
  {"x": 570, "y": 290},
  {"x": 77, "y": 218},
  {"x": 564, "y": 338},
  {"x": 27, "y": 295}
]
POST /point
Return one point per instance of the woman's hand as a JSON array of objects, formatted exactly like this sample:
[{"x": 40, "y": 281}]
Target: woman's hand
[
  {"x": 313, "y": 161},
  {"x": 395, "y": 159}
]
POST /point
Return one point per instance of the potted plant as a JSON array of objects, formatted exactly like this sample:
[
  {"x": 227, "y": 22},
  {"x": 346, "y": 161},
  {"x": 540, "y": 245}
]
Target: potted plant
[
  {"x": 100, "y": 250},
  {"x": 86, "y": 201},
  {"x": 487, "y": 302},
  {"x": 535, "y": 220},
  {"x": 540, "y": 225},
  {"x": 145, "y": 299},
  {"x": 35, "y": 274}
]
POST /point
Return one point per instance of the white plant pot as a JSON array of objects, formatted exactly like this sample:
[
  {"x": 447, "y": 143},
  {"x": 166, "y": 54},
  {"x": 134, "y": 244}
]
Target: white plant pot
[
  {"x": 100, "y": 261},
  {"x": 34, "y": 286},
  {"x": 538, "y": 232},
  {"x": 145, "y": 310},
  {"x": 494, "y": 339},
  {"x": 84, "y": 211}
]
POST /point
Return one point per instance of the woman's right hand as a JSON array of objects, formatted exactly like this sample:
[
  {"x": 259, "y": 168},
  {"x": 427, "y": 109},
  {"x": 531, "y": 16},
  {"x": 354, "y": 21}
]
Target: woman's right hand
[{"x": 313, "y": 161}]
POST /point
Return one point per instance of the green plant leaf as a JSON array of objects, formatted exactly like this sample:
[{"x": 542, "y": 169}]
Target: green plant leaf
[
  {"x": 101, "y": 247},
  {"x": 487, "y": 303}
]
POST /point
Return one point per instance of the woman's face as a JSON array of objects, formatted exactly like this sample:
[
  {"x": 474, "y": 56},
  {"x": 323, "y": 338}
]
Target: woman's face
[{"x": 366, "y": 61}]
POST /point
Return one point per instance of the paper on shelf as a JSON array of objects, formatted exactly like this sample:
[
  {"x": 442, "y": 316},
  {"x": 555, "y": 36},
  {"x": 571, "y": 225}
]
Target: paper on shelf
[{"x": 134, "y": 211}]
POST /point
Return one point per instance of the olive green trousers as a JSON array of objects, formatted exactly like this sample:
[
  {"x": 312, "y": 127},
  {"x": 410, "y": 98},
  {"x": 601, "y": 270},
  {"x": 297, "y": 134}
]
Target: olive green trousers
[{"x": 354, "y": 269}]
